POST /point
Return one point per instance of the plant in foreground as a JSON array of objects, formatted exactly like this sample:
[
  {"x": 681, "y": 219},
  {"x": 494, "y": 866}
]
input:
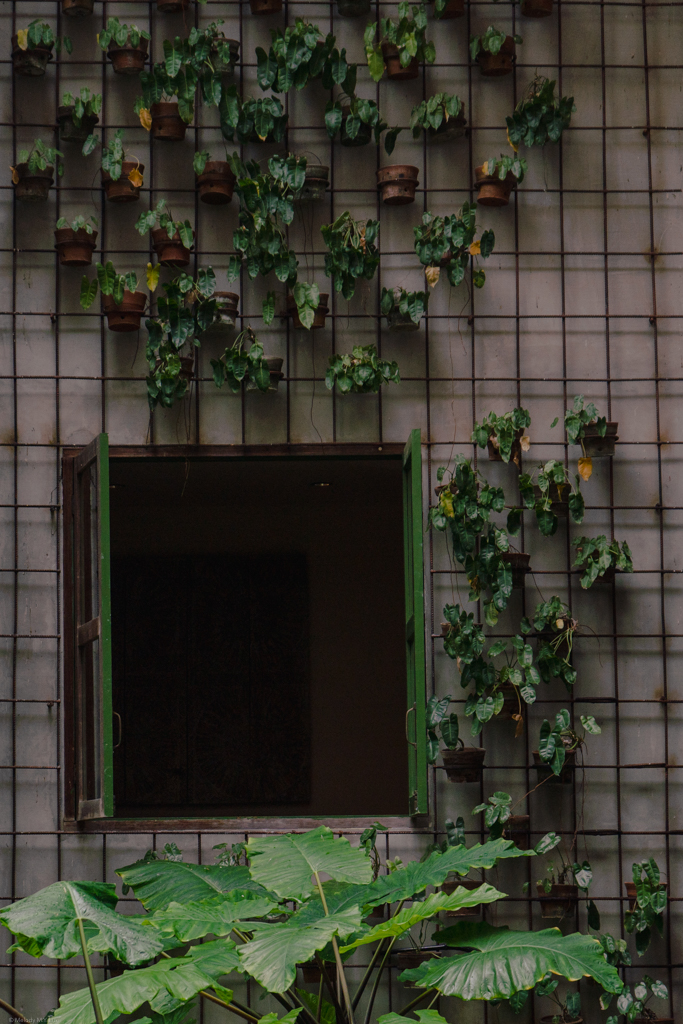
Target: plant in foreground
[
  {"x": 556, "y": 740},
  {"x": 39, "y": 34},
  {"x": 490, "y": 41},
  {"x": 113, "y": 157},
  {"x": 595, "y": 555},
  {"x": 450, "y": 242},
  {"x": 500, "y": 167},
  {"x": 539, "y": 117},
  {"x": 506, "y": 433},
  {"x": 298, "y": 55},
  {"x": 120, "y": 34},
  {"x": 649, "y": 905},
  {"x": 632, "y": 1002},
  {"x": 429, "y": 115},
  {"x": 361, "y": 371},
  {"x": 80, "y": 223},
  {"x": 110, "y": 283},
  {"x": 163, "y": 218},
  {"x": 85, "y": 105},
  {"x": 38, "y": 158},
  {"x": 238, "y": 365},
  {"x": 408, "y": 35},
  {"x": 352, "y": 252},
  {"x": 408, "y": 304}
]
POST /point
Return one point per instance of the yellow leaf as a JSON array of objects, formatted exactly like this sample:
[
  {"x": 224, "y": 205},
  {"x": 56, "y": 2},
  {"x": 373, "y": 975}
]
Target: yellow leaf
[
  {"x": 145, "y": 119},
  {"x": 15, "y": 176},
  {"x": 97, "y": 37},
  {"x": 135, "y": 177},
  {"x": 520, "y": 725},
  {"x": 585, "y": 468},
  {"x": 525, "y": 443},
  {"x": 432, "y": 275},
  {"x": 509, "y": 143},
  {"x": 559, "y": 623},
  {"x": 153, "y": 276},
  {"x": 22, "y": 38},
  {"x": 475, "y": 248},
  {"x": 446, "y": 502}
]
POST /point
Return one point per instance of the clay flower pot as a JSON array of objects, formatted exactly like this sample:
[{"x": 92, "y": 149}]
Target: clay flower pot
[
  {"x": 408, "y": 959},
  {"x": 398, "y": 321},
  {"x": 226, "y": 67},
  {"x": 558, "y": 503},
  {"x": 537, "y": 8},
  {"x": 515, "y": 453},
  {"x": 265, "y": 6},
  {"x": 312, "y": 973},
  {"x": 632, "y": 893},
  {"x": 453, "y": 9},
  {"x": 449, "y": 130},
  {"x": 493, "y": 65},
  {"x": 464, "y": 883},
  {"x": 221, "y": 329},
  {"x": 320, "y": 313},
  {"x": 167, "y": 124},
  {"x": 216, "y": 183},
  {"x": 316, "y": 184},
  {"x": 70, "y": 132},
  {"x": 363, "y": 136},
  {"x": 464, "y": 765},
  {"x": 77, "y": 8},
  {"x": 123, "y": 190},
  {"x": 517, "y": 829},
  {"x": 171, "y": 251},
  {"x": 172, "y": 6},
  {"x": 492, "y": 191},
  {"x": 274, "y": 364},
  {"x": 596, "y": 447},
  {"x": 395, "y": 70},
  {"x": 519, "y": 563},
  {"x": 397, "y": 184},
  {"x": 75, "y": 248},
  {"x": 33, "y": 187},
  {"x": 560, "y": 901},
  {"x": 353, "y": 8},
  {"x": 30, "y": 62},
  {"x": 126, "y": 317},
  {"x": 544, "y": 771},
  {"x": 128, "y": 59}
]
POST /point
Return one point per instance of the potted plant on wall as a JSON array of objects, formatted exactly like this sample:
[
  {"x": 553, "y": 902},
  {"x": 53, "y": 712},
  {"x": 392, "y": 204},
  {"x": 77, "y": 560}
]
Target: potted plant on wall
[
  {"x": 555, "y": 758},
  {"x": 215, "y": 179},
  {"x": 352, "y": 253},
  {"x": 171, "y": 239},
  {"x": 449, "y": 242},
  {"x": 584, "y": 426},
  {"x": 362, "y": 371},
  {"x": 504, "y": 436},
  {"x": 241, "y": 365},
  {"x": 632, "y": 1002},
  {"x": 298, "y": 55},
  {"x": 75, "y": 242},
  {"x": 403, "y": 44},
  {"x": 121, "y": 302},
  {"x": 599, "y": 559},
  {"x": 77, "y": 117},
  {"x": 355, "y": 120},
  {"x": 558, "y": 895},
  {"x": 647, "y": 903},
  {"x": 397, "y": 184},
  {"x": 166, "y": 105},
  {"x": 403, "y": 310},
  {"x": 539, "y": 117},
  {"x": 316, "y": 183},
  {"x": 125, "y": 45},
  {"x": 496, "y": 178},
  {"x": 568, "y": 1006},
  {"x": 441, "y": 118},
  {"x": 121, "y": 178},
  {"x": 555, "y": 628},
  {"x": 502, "y": 823},
  {"x": 32, "y": 48},
  {"x": 462, "y": 764},
  {"x": 34, "y": 174},
  {"x": 551, "y": 493},
  {"x": 494, "y": 51},
  {"x": 307, "y": 306},
  {"x": 252, "y": 120}
]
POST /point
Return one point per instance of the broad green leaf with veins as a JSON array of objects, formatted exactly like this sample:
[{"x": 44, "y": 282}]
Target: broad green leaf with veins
[
  {"x": 156, "y": 883},
  {"x": 46, "y": 924},
  {"x": 285, "y": 864},
  {"x": 215, "y": 916}
]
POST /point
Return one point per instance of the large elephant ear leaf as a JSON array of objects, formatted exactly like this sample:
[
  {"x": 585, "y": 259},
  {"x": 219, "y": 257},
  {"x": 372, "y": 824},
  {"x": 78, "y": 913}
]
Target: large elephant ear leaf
[
  {"x": 157, "y": 883},
  {"x": 215, "y": 916},
  {"x": 47, "y": 924},
  {"x": 286, "y": 864},
  {"x": 502, "y": 962},
  {"x": 424, "y": 1016}
]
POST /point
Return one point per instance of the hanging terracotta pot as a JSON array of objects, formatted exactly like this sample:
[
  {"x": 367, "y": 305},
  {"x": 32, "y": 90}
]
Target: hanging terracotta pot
[
  {"x": 395, "y": 70},
  {"x": 491, "y": 190},
  {"x": 464, "y": 765},
  {"x": 560, "y": 901},
  {"x": 353, "y": 8},
  {"x": 558, "y": 503},
  {"x": 519, "y": 563},
  {"x": 274, "y": 364},
  {"x": 493, "y": 65},
  {"x": 224, "y": 67},
  {"x": 511, "y": 702},
  {"x": 167, "y": 124},
  {"x": 362, "y": 137},
  {"x": 216, "y": 183},
  {"x": 34, "y": 186},
  {"x": 172, "y": 6},
  {"x": 77, "y": 8},
  {"x": 31, "y": 62},
  {"x": 123, "y": 190},
  {"x": 537, "y": 8},
  {"x": 449, "y": 130},
  {"x": 320, "y": 313},
  {"x": 128, "y": 59},
  {"x": 316, "y": 184},
  {"x": 126, "y": 317},
  {"x": 464, "y": 883},
  {"x": 596, "y": 447},
  {"x": 75, "y": 248},
  {"x": 515, "y": 453},
  {"x": 222, "y": 328},
  {"x": 71, "y": 132},
  {"x": 453, "y": 9},
  {"x": 265, "y": 6},
  {"x": 397, "y": 184},
  {"x": 517, "y": 829},
  {"x": 398, "y": 321},
  {"x": 171, "y": 251},
  {"x": 544, "y": 771}
]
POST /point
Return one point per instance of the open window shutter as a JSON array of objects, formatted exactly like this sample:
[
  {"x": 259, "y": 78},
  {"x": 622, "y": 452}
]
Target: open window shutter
[
  {"x": 93, "y": 761},
  {"x": 416, "y": 732}
]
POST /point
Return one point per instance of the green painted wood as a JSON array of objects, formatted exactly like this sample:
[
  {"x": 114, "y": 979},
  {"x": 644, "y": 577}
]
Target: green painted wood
[
  {"x": 416, "y": 728},
  {"x": 104, "y": 549}
]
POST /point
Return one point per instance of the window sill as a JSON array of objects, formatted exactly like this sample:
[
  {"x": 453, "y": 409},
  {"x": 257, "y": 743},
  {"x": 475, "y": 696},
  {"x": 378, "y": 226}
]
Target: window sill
[{"x": 395, "y": 824}]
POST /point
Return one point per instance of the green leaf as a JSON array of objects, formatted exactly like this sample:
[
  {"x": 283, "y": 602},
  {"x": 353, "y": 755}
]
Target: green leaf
[
  {"x": 269, "y": 308},
  {"x": 285, "y": 864},
  {"x": 157, "y": 883},
  {"x": 272, "y": 954},
  {"x": 328, "y": 1014},
  {"x": 502, "y": 962},
  {"x": 216, "y": 916},
  {"x": 88, "y": 292},
  {"x": 46, "y": 924}
]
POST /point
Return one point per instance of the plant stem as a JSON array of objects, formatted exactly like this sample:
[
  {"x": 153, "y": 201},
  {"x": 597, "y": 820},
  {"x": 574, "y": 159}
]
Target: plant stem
[
  {"x": 233, "y": 1007},
  {"x": 368, "y": 971},
  {"x": 13, "y": 1012},
  {"x": 375, "y": 987},
  {"x": 417, "y": 1000},
  {"x": 298, "y": 1002},
  {"x": 330, "y": 987},
  {"x": 337, "y": 957},
  {"x": 88, "y": 970}
]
